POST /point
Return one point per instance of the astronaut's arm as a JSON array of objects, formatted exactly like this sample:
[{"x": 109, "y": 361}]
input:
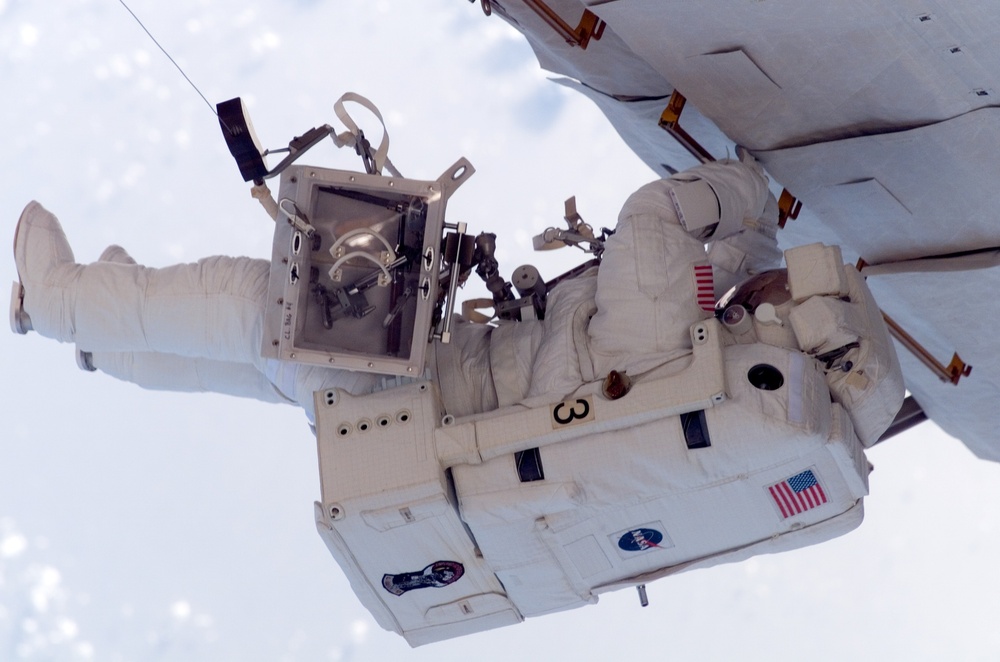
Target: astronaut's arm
[
  {"x": 748, "y": 252},
  {"x": 740, "y": 193},
  {"x": 725, "y": 203}
]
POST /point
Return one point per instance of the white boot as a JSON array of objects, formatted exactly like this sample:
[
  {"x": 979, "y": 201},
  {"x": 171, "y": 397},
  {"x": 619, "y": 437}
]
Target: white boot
[
  {"x": 211, "y": 309},
  {"x": 42, "y": 300}
]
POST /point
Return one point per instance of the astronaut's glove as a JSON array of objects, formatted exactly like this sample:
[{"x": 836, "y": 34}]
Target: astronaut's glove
[{"x": 767, "y": 222}]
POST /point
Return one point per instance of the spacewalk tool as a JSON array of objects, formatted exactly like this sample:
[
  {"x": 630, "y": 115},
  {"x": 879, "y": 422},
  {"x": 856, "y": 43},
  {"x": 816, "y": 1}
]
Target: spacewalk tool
[
  {"x": 447, "y": 525},
  {"x": 365, "y": 268}
]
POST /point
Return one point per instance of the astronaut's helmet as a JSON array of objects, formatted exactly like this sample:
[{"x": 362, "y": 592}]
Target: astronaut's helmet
[
  {"x": 759, "y": 308},
  {"x": 766, "y": 287}
]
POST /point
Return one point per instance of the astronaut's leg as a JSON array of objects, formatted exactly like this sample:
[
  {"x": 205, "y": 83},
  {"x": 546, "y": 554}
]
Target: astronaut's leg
[
  {"x": 655, "y": 279},
  {"x": 169, "y": 372},
  {"x": 118, "y": 255},
  {"x": 276, "y": 381},
  {"x": 212, "y": 309}
]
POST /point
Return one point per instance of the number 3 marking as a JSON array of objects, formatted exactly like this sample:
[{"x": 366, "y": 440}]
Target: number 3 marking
[{"x": 580, "y": 411}]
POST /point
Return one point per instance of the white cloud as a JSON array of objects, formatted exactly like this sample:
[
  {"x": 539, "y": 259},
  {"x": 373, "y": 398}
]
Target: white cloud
[
  {"x": 67, "y": 628},
  {"x": 175, "y": 250},
  {"x": 13, "y": 544},
  {"x": 133, "y": 173},
  {"x": 29, "y": 34},
  {"x": 246, "y": 17},
  {"x": 359, "y": 631},
  {"x": 120, "y": 66},
  {"x": 266, "y": 41},
  {"x": 104, "y": 190},
  {"x": 180, "y": 610},
  {"x": 45, "y": 586}
]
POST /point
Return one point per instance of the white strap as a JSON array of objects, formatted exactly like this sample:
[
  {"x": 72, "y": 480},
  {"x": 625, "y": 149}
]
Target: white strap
[
  {"x": 350, "y": 137},
  {"x": 470, "y": 308}
]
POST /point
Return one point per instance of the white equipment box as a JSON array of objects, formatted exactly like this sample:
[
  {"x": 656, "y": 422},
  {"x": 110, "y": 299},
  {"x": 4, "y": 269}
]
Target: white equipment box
[
  {"x": 354, "y": 268},
  {"x": 446, "y": 526},
  {"x": 450, "y": 526}
]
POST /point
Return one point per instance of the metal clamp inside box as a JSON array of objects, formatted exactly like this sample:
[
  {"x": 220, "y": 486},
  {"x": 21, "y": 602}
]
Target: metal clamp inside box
[{"x": 354, "y": 269}]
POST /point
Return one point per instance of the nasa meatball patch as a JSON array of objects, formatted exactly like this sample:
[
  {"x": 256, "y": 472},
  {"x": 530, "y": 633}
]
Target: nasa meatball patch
[{"x": 641, "y": 539}]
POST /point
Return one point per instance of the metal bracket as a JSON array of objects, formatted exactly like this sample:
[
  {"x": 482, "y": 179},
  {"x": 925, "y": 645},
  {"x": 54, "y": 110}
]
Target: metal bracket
[
  {"x": 788, "y": 208},
  {"x": 457, "y": 261},
  {"x": 788, "y": 205},
  {"x": 363, "y": 148},
  {"x": 953, "y": 372},
  {"x": 958, "y": 369},
  {"x": 670, "y": 122},
  {"x": 590, "y": 27},
  {"x": 455, "y": 176},
  {"x": 579, "y": 234}
]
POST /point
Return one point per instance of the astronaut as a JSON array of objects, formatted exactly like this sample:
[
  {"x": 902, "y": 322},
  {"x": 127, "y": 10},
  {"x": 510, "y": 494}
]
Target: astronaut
[{"x": 198, "y": 327}]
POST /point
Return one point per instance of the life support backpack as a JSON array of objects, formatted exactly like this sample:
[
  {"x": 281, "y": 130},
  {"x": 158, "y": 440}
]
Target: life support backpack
[{"x": 446, "y": 526}]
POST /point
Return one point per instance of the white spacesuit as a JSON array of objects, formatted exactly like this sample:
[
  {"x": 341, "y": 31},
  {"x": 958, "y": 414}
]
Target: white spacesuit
[
  {"x": 519, "y": 486},
  {"x": 197, "y": 327}
]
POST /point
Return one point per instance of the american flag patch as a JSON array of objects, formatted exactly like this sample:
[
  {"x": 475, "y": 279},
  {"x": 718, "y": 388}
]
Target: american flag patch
[
  {"x": 704, "y": 287},
  {"x": 797, "y": 494}
]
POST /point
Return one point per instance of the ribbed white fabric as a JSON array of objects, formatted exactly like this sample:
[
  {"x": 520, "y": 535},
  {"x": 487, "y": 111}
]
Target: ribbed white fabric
[
  {"x": 646, "y": 288},
  {"x": 198, "y": 327}
]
